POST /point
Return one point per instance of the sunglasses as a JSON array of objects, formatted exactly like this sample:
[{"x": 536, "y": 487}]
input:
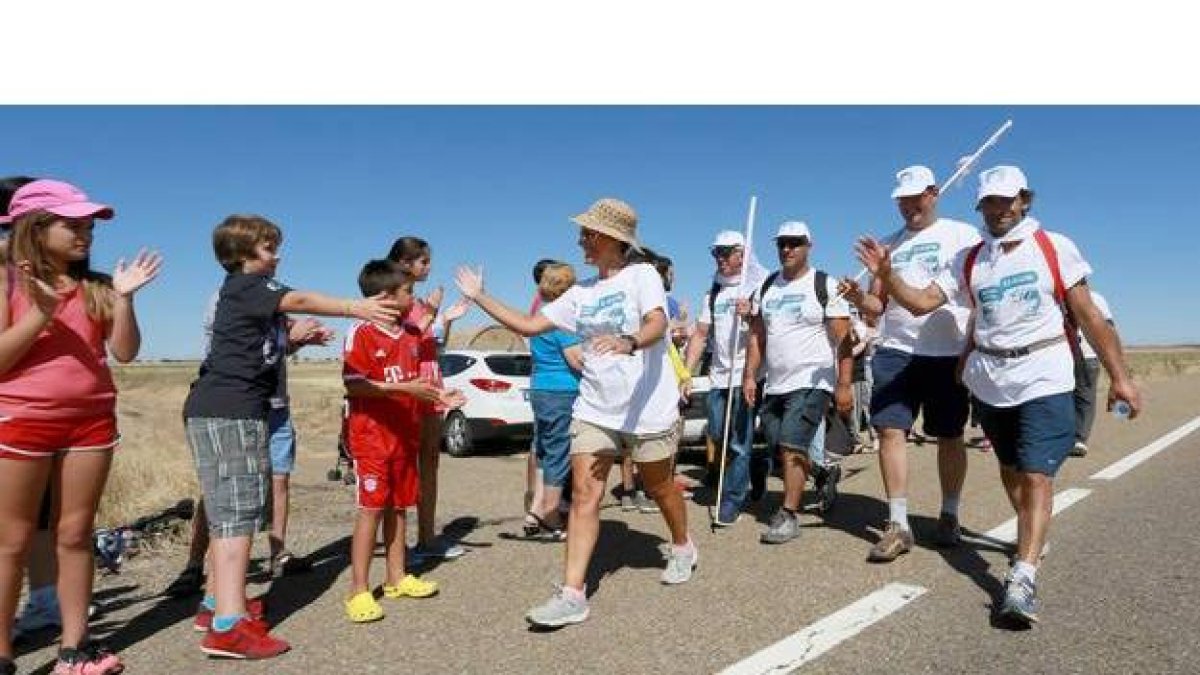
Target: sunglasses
[
  {"x": 721, "y": 252},
  {"x": 791, "y": 242}
]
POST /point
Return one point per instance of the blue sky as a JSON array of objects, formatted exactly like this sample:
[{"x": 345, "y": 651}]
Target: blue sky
[{"x": 496, "y": 186}]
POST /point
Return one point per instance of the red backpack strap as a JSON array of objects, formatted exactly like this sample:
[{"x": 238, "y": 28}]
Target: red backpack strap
[
  {"x": 972, "y": 255},
  {"x": 1060, "y": 289}
]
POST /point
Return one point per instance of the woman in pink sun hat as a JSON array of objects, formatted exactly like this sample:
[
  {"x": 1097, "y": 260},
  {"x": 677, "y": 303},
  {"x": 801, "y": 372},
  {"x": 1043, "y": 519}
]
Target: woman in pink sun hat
[{"x": 59, "y": 320}]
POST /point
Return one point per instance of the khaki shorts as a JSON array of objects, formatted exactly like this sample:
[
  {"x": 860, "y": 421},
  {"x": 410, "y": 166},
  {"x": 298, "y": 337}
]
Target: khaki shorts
[{"x": 591, "y": 439}]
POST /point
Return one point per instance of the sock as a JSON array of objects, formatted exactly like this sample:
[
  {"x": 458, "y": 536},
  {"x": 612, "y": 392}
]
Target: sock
[
  {"x": 222, "y": 624},
  {"x": 209, "y": 602},
  {"x": 898, "y": 512},
  {"x": 1024, "y": 569},
  {"x": 686, "y": 548},
  {"x": 575, "y": 594},
  {"x": 950, "y": 504}
]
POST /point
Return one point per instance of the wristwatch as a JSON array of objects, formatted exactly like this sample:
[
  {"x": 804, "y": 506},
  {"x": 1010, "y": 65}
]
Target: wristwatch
[{"x": 633, "y": 343}]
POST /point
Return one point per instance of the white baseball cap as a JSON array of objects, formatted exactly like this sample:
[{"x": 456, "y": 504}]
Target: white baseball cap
[
  {"x": 794, "y": 228},
  {"x": 729, "y": 238},
  {"x": 1002, "y": 181},
  {"x": 913, "y": 181}
]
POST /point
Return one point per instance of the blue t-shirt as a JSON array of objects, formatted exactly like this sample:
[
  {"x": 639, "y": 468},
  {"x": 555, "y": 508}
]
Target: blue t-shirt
[{"x": 550, "y": 369}]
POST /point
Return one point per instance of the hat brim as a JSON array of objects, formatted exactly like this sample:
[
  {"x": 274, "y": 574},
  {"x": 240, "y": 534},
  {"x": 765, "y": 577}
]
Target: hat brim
[
  {"x": 586, "y": 221},
  {"x": 1008, "y": 192},
  {"x": 908, "y": 191},
  {"x": 82, "y": 210}
]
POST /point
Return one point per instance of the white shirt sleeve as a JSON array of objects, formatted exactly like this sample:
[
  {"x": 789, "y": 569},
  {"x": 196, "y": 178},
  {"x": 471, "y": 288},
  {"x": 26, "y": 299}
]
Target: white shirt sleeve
[
  {"x": 563, "y": 311},
  {"x": 836, "y": 307},
  {"x": 650, "y": 293},
  {"x": 705, "y": 313},
  {"x": 953, "y": 281},
  {"x": 1102, "y": 305},
  {"x": 1070, "y": 261}
]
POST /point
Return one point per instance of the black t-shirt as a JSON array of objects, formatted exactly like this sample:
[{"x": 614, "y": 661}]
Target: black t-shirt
[{"x": 245, "y": 363}]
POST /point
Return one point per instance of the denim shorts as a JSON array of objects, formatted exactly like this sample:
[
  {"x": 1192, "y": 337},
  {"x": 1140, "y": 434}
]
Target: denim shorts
[
  {"x": 283, "y": 441},
  {"x": 1034, "y": 436},
  {"x": 907, "y": 385},
  {"x": 790, "y": 420},
  {"x": 233, "y": 464},
  {"x": 552, "y": 433}
]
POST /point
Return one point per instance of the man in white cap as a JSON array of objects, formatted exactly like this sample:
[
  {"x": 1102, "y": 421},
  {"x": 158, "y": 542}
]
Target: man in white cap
[
  {"x": 915, "y": 359},
  {"x": 1026, "y": 287},
  {"x": 719, "y": 318},
  {"x": 801, "y": 332}
]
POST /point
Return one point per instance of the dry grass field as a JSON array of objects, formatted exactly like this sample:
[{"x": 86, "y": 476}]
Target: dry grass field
[{"x": 154, "y": 470}]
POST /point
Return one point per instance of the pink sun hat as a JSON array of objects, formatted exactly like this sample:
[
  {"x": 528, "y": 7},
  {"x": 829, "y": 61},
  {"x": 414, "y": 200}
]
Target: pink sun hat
[{"x": 54, "y": 196}]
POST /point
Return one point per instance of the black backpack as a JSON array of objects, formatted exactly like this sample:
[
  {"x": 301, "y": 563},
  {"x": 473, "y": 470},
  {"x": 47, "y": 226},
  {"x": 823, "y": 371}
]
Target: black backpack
[{"x": 820, "y": 283}]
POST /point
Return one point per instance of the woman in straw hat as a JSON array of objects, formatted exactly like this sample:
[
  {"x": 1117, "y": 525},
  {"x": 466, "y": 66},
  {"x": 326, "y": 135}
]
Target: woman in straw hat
[{"x": 627, "y": 395}]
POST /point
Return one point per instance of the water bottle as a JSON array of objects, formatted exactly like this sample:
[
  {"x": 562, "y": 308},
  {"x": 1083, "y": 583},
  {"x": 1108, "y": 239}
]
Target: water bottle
[{"x": 1121, "y": 409}]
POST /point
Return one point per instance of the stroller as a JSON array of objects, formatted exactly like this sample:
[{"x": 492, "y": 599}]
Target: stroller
[{"x": 343, "y": 467}]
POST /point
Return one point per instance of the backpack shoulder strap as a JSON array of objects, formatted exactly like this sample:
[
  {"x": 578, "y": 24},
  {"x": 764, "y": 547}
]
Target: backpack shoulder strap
[
  {"x": 821, "y": 282},
  {"x": 767, "y": 284},
  {"x": 1060, "y": 289},
  {"x": 712, "y": 299},
  {"x": 972, "y": 255}
]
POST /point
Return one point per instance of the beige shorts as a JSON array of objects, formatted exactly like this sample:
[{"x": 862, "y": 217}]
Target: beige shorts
[{"x": 591, "y": 439}]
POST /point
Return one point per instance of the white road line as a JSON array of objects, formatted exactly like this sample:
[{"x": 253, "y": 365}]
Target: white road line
[
  {"x": 1116, "y": 469},
  {"x": 1007, "y": 531},
  {"x": 807, "y": 644}
]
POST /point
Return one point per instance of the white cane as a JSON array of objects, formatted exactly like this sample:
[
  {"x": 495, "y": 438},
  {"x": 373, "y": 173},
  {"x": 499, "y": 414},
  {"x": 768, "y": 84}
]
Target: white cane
[
  {"x": 737, "y": 330},
  {"x": 964, "y": 166}
]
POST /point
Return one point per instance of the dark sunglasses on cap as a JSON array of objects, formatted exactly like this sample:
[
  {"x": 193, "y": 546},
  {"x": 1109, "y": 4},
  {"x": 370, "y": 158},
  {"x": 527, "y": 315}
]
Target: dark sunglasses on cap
[
  {"x": 720, "y": 252},
  {"x": 791, "y": 242}
]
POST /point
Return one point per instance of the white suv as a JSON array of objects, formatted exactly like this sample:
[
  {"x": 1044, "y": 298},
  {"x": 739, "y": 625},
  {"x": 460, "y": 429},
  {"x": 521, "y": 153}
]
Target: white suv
[{"x": 496, "y": 385}]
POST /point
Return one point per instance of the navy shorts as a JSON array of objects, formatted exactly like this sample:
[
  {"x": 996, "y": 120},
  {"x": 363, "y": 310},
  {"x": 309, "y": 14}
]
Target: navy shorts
[
  {"x": 790, "y": 420},
  {"x": 1034, "y": 436},
  {"x": 907, "y": 385}
]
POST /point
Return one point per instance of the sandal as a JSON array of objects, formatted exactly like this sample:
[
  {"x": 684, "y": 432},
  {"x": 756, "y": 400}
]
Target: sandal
[
  {"x": 363, "y": 608},
  {"x": 543, "y": 531}
]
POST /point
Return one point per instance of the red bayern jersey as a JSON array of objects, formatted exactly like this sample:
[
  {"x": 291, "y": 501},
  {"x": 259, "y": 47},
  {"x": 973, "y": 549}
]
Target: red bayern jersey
[{"x": 383, "y": 354}]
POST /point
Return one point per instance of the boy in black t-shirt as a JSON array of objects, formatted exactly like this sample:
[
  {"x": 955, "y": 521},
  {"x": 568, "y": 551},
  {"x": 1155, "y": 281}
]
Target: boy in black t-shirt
[{"x": 226, "y": 417}]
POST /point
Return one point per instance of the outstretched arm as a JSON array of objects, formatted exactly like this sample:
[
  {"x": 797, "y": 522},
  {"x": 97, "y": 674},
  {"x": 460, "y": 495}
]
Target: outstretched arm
[{"x": 470, "y": 283}]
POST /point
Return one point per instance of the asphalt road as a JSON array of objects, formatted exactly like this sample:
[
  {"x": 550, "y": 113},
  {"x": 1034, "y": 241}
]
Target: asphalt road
[{"x": 1119, "y": 586}]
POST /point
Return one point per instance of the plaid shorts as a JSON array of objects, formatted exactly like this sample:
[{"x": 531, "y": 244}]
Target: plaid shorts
[{"x": 233, "y": 463}]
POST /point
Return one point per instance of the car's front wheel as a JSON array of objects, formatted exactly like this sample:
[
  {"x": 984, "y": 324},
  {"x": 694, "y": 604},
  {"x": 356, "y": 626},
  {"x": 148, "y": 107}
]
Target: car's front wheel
[{"x": 457, "y": 435}]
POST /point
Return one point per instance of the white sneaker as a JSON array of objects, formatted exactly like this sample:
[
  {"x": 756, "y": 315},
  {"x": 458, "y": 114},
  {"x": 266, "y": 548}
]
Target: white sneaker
[{"x": 680, "y": 564}]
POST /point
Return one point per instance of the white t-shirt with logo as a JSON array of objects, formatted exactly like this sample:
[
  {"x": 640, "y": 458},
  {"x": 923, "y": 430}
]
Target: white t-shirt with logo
[
  {"x": 721, "y": 321},
  {"x": 1015, "y": 307},
  {"x": 919, "y": 258},
  {"x": 799, "y": 353},
  {"x": 631, "y": 393},
  {"x": 1085, "y": 347}
]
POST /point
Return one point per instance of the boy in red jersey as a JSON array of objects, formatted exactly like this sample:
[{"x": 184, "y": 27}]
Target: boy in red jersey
[{"x": 387, "y": 399}]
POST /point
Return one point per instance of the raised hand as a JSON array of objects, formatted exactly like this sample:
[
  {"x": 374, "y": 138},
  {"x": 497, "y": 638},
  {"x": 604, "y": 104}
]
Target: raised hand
[
  {"x": 874, "y": 256},
  {"x": 469, "y": 282},
  {"x": 851, "y": 291},
  {"x": 434, "y": 301},
  {"x": 456, "y": 311},
  {"x": 128, "y": 279},
  {"x": 41, "y": 294}
]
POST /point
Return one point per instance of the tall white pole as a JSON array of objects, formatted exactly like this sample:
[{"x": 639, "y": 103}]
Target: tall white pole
[{"x": 733, "y": 347}]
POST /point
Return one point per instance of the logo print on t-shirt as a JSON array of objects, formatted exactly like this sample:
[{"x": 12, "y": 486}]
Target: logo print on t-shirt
[
  {"x": 1016, "y": 297},
  {"x": 604, "y": 316},
  {"x": 790, "y": 305}
]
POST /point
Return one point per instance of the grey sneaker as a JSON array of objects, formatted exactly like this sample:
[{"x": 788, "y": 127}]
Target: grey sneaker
[
  {"x": 895, "y": 541},
  {"x": 949, "y": 532},
  {"x": 644, "y": 503},
  {"x": 680, "y": 565},
  {"x": 784, "y": 527},
  {"x": 438, "y": 550},
  {"x": 1020, "y": 600},
  {"x": 1080, "y": 449},
  {"x": 627, "y": 503},
  {"x": 558, "y": 611}
]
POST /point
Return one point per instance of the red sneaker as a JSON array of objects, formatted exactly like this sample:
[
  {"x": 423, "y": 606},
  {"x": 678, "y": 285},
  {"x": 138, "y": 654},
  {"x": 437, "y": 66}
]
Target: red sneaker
[
  {"x": 255, "y": 607},
  {"x": 245, "y": 640}
]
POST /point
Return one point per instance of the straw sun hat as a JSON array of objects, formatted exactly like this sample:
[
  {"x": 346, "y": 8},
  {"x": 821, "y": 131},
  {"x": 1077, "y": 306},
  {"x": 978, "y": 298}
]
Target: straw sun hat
[{"x": 611, "y": 217}]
